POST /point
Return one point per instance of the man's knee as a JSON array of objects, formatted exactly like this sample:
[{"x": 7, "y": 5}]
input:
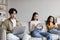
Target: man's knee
[{"x": 12, "y": 37}]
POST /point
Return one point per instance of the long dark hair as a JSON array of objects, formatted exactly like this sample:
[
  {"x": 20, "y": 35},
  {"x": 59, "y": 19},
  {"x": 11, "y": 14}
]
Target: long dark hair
[
  {"x": 48, "y": 20},
  {"x": 35, "y": 13}
]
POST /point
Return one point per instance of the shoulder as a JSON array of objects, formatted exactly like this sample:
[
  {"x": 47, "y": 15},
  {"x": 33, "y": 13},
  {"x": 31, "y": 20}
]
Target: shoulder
[
  {"x": 7, "y": 20},
  {"x": 31, "y": 21}
]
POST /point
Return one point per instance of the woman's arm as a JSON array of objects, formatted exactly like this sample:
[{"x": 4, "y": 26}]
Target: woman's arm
[{"x": 48, "y": 26}]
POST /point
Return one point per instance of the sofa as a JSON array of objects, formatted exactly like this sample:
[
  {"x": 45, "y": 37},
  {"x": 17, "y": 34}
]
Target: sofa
[{"x": 3, "y": 33}]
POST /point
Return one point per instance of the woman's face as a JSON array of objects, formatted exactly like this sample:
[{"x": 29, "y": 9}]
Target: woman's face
[
  {"x": 36, "y": 17},
  {"x": 51, "y": 19}
]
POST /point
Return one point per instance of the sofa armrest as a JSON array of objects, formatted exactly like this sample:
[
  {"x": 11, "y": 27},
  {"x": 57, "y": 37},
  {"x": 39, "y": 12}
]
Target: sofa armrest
[{"x": 4, "y": 35}]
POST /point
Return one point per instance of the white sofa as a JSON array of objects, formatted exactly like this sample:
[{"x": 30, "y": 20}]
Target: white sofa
[{"x": 3, "y": 36}]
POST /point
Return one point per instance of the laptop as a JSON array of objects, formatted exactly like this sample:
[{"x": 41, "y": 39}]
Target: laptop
[{"x": 19, "y": 30}]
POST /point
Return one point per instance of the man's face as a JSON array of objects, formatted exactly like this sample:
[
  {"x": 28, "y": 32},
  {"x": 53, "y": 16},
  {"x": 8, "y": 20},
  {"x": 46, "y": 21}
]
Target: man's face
[{"x": 13, "y": 15}]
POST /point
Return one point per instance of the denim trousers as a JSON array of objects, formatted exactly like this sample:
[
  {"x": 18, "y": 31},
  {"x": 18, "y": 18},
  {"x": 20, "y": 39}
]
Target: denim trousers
[
  {"x": 55, "y": 31},
  {"x": 37, "y": 33}
]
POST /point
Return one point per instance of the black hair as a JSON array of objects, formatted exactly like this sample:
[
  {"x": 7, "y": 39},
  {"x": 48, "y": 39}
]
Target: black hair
[
  {"x": 11, "y": 10},
  {"x": 48, "y": 20},
  {"x": 35, "y": 13}
]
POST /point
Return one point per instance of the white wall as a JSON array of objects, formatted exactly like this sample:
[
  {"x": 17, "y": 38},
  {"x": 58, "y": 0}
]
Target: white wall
[{"x": 27, "y": 7}]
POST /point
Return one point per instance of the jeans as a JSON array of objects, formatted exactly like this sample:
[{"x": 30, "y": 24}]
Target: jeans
[
  {"x": 55, "y": 31},
  {"x": 37, "y": 33}
]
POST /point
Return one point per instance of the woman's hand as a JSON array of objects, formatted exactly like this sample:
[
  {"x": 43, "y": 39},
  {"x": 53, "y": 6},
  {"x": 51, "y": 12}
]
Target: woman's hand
[{"x": 35, "y": 26}]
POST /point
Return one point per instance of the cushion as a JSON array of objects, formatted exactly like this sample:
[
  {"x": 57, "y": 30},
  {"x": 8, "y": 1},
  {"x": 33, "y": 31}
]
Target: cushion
[{"x": 38, "y": 38}]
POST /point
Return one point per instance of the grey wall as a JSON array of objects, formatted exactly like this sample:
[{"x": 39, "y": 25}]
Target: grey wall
[{"x": 43, "y": 7}]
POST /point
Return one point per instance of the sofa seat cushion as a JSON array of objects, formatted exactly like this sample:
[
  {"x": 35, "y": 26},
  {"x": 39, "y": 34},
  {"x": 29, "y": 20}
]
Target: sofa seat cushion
[
  {"x": 32, "y": 38},
  {"x": 54, "y": 36}
]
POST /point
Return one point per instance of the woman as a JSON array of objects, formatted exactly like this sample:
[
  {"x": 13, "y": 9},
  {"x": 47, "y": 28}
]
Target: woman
[
  {"x": 35, "y": 31},
  {"x": 50, "y": 23}
]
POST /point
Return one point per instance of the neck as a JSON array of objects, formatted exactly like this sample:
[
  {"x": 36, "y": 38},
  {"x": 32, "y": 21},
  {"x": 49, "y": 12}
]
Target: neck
[
  {"x": 12, "y": 18},
  {"x": 35, "y": 20},
  {"x": 51, "y": 22}
]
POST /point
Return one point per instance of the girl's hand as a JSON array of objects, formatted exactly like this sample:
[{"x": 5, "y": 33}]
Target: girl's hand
[
  {"x": 56, "y": 26},
  {"x": 35, "y": 26}
]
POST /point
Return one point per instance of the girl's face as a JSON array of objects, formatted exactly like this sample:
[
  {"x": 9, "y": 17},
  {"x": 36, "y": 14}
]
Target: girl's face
[
  {"x": 51, "y": 19},
  {"x": 36, "y": 17}
]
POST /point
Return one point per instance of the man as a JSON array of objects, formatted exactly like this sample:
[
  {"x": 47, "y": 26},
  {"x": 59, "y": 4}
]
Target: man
[{"x": 10, "y": 23}]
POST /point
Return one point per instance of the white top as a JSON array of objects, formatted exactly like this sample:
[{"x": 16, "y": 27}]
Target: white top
[
  {"x": 33, "y": 23},
  {"x": 14, "y": 22}
]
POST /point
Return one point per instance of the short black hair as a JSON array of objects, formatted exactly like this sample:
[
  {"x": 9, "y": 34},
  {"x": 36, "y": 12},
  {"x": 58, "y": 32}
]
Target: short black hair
[{"x": 11, "y": 10}]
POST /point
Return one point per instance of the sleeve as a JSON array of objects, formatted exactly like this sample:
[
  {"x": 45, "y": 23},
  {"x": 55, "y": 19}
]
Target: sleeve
[
  {"x": 19, "y": 23},
  {"x": 4, "y": 25},
  {"x": 30, "y": 27}
]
